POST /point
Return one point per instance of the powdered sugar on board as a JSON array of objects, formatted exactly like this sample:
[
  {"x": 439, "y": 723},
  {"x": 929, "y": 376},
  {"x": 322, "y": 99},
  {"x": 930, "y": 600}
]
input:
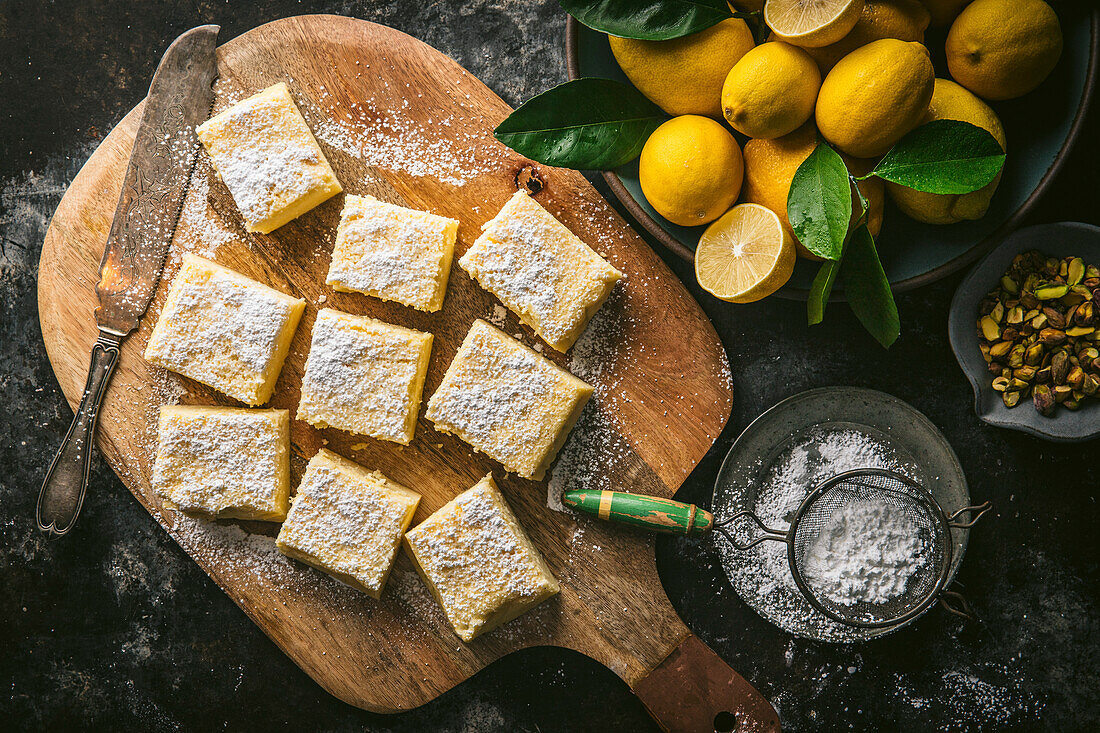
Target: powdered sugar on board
[
  {"x": 391, "y": 140},
  {"x": 207, "y": 231},
  {"x": 595, "y": 452}
]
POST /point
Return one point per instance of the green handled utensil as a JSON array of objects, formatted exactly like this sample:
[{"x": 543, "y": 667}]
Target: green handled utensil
[
  {"x": 923, "y": 587},
  {"x": 647, "y": 512}
]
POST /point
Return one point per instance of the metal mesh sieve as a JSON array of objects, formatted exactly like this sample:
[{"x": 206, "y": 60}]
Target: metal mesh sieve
[
  {"x": 925, "y": 584},
  {"x": 868, "y": 486}
]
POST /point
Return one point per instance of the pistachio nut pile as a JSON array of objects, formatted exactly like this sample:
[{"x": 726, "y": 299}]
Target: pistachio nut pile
[{"x": 1039, "y": 332}]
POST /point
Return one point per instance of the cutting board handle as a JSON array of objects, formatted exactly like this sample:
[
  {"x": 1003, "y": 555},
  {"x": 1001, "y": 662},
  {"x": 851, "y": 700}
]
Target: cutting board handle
[{"x": 694, "y": 691}]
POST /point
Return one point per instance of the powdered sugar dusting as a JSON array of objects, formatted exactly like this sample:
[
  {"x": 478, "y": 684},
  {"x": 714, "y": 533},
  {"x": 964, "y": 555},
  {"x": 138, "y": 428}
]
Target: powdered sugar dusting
[
  {"x": 270, "y": 162},
  {"x": 392, "y": 252},
  {"x": 596, "y": 453},
  {"x": 866, "y": 552},
  {"x": 761, "y": 575},
  {"x": 361, "y": 376},
  {"x": 349, "y": 525},
  {"x": 499, "y": 397},
  {"x": 591, "y": 458},
  {"x": 398, "y": 143},
  {"x": 214, "y": 459},
  {"x": 220, "y": 328},
  {"x": 208, "y": 232},
  {"x": 477, "y": 559},
  {"x": 539, "y": 269},
  {"x": 228, "y": 548}
]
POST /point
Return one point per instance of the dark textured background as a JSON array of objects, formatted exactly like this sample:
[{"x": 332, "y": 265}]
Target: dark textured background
[{"x": 115, "y": 627}]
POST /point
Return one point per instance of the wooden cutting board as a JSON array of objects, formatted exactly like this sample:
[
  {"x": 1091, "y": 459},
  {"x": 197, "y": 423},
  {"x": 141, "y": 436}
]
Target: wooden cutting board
[{"x": 401, "y": 121}]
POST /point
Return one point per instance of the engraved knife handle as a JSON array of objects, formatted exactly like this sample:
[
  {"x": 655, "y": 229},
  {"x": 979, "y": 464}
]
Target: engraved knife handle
[{"x": 63, "y": 490}]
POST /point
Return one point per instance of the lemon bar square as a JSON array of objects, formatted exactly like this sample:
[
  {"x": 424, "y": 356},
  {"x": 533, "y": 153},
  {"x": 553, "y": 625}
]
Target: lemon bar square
[
  {"x": 224, "y": 462},
  {"x": 507, "y": 401},
  {"x": 225, "y": 330},
  {"x": 540, "y": 270},
  {"x": 347, "y": 521},
  {"x": 478, "y": 561},
  {"x": 267, "y": 156},
  {"x": 392, "y": 253},
  {"x": 364, "y": 376}
]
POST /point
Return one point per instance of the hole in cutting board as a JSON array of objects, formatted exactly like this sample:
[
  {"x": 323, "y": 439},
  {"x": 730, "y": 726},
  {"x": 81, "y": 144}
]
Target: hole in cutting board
[{"x": 725, "y": 722}]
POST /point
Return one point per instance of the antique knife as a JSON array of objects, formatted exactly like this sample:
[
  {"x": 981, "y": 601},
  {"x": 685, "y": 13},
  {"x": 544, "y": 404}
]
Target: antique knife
[{"x": 180, "y": 97}]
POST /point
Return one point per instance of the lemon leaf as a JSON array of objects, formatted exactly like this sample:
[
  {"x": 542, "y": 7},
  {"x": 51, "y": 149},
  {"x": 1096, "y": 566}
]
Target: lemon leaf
[
  {"x": 864, "y": 205},
  {"x": 585, "y": 124},
  {"x": 943, "y": 156},
  {"x": 649, "y": 20},
  {"x": 820, "y": 291},
  {"x": 868, "y": 290},
  {"x": 819, "y": 203}
]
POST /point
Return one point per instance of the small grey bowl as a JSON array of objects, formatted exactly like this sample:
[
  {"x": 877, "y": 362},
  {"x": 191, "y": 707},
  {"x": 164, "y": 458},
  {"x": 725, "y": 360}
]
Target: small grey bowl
[{"x": 1062, "y": 239}]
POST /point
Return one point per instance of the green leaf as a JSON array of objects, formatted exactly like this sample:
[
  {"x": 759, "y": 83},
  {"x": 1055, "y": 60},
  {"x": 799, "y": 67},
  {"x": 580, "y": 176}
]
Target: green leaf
[
  {"x": 865, "y": 206},
  {"x": 586, "y": 124},
  {"x": 650, "y": 20},
  {"x": 820, "y": 291},
  {"x": 819, "y": 203},
  {"x": 943, "y": 156},
  {"x": 867, "y": 288}
]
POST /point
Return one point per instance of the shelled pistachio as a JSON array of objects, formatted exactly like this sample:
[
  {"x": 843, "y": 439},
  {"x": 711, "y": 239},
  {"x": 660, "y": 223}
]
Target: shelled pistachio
[{"x": 1038, "y": 332}]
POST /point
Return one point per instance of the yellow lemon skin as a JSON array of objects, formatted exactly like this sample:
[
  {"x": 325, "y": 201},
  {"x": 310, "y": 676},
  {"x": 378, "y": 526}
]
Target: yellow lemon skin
[
  {"x": 944, "y": 11},
  {"x": 905, "y": 20},
  {"x": 771, "y": 91},
  {"x": 684, "y": 76},
  {"x": 874, "y": 95},
  {"x": 770, "y": 166},
  {"x": 778, "y": 14},
  {"x": 952, "y": 102},
  {"x": 691, "y": 170},
  {"x": 1002, "y": 49}
]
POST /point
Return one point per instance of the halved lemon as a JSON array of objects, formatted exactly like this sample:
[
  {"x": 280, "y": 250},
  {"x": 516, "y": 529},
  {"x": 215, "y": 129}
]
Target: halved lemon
[
  {"x": 745, "y": 255},
  {"x": 812, "y": 23}
]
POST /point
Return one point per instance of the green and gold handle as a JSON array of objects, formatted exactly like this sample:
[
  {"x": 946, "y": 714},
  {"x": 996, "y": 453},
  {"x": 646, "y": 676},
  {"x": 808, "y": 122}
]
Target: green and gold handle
[{"x": 645, "y": 512}]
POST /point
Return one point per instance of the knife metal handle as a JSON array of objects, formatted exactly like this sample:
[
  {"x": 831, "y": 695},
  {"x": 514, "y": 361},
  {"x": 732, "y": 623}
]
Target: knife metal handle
[{"x": 66, "y": 481}]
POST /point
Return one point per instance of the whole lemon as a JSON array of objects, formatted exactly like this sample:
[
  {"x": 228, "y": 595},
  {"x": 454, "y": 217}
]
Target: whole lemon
[
  {"x": 951, "y": 102},
  {"x": 691, "y": 170},
  {"x": 771, "y": 91},
  {"x": 905, "y": 20},
  {"x": 944, "y": 11},
  {"x": 874, "y": 95},
  {"x": 1001, "y": 49},
  {"x": 770, "y": 166},
  {"x": 684, "y": 76}
]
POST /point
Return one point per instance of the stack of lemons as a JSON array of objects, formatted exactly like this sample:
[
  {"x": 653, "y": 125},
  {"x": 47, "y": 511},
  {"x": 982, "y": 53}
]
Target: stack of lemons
[{"x": 854, "y": 72}]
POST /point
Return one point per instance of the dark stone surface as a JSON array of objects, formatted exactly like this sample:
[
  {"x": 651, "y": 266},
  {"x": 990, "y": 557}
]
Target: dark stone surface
[{"x": 115, "y": 627}]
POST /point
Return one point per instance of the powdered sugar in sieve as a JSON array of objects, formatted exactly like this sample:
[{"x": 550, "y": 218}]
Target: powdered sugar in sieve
[{"x": 761, "y": 575}]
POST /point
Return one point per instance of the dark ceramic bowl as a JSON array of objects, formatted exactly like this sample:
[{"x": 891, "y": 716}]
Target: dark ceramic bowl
[
  {"x": 1041, "y": 128},
  {"x": 1063, "y": 239}
]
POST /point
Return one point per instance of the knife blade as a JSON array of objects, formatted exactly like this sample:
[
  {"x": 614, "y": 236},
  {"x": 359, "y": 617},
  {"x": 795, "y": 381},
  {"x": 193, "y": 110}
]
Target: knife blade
[{"x": 180, "y": 97}]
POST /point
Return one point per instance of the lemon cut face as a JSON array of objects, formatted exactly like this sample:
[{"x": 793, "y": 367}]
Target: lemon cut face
[
  {"x": 745, "y": 255},
  {"x": 812, "y": 23}
]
